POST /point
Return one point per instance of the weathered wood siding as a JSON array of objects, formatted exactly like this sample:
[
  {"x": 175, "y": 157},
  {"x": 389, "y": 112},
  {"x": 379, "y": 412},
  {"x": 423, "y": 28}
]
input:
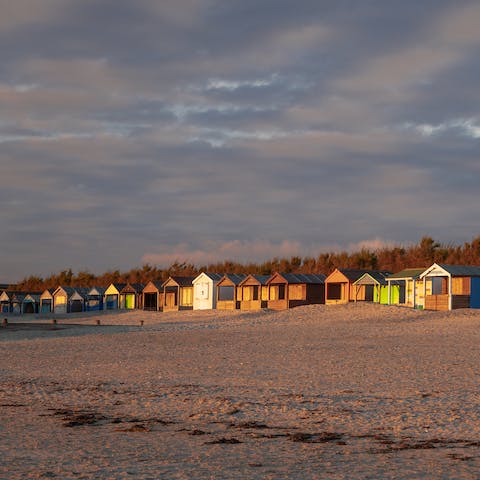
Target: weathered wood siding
[{"x": 436, "y": 302}]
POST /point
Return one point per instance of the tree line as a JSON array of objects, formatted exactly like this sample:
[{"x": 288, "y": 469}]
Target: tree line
[{"x": 393, "y": 259}]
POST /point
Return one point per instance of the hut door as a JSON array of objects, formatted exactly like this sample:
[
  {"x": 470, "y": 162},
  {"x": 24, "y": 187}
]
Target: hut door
[
  {"x": 369, "y": 293},
  {"x": 170, "y": 299}
]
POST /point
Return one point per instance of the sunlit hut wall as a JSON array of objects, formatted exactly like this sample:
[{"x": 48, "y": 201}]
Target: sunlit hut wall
[
  {"x": 112, "y": 296},
  {"x": 178, "y": 293},
  {"x": 253, "y": 292},
  {"x": 375, "y": 287},
  {"x": 227, "y": 291},
  {"x": 339, "y": 286},
  {"x": 205, "y": 290},
  {"x": 448, "y": 287},
  {"x": 288, "y": 290},
  {"x": 131, "y": 296},
  {"x": 405, "y": 288}
]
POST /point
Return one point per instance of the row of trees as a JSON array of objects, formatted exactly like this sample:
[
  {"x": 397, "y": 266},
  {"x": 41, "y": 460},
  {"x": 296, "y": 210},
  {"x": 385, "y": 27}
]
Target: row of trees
[{"x": 393, "y": 259}]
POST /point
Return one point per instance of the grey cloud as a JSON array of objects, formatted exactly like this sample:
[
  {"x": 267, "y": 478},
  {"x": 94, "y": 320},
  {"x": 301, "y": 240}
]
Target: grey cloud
[{"x": 126, "y": 126}]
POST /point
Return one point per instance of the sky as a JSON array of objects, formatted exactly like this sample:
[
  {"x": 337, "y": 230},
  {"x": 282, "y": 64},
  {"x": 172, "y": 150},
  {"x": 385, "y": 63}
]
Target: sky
[{"x": 204, "y": 130}]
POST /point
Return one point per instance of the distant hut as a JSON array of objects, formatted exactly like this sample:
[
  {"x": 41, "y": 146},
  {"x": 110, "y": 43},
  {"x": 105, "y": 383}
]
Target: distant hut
[
  {"x": 131, "y": 296},
  {"x": 6, "y": 301},
  {"x": 69, "y": 299},
  {"x": 253, "y": 292},
  {"x": 227, "y": 291},
  {"x": 178, "y": 293},
  {"x": 205, "y": 290},
  {"x": 405, "y": 288},
  {"x": 17, "y": 302},
  {"x": 375, "y": 287},
  {"x": 46, "y": 301},
  {"x": 288, "y": 290},
  {"x": 152, "y": 296},
  {"x": 95, "y": 299},
  {"x": 112, "y": 296},
  {"x": 448, "y": 287},
  {"x": 31, "y": 303}
]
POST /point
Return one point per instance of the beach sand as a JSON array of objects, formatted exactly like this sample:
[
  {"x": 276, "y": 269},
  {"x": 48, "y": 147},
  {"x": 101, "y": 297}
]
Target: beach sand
[{"x": 328, "y": 392}]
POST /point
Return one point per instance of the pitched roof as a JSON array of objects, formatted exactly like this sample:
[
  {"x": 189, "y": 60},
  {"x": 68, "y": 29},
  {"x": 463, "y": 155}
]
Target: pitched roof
[
  {"x": 212, "y": 276},
  {"x": 461, "y": 270},
  {"x": 235, "y": 278},
  {"x": 352, "y": 274},
  {"x": 376, "y": 277},
  {"x": 406, "y": 273},
  {"x": 180, "y": 281},
  {"x": 297, "y": 278}
]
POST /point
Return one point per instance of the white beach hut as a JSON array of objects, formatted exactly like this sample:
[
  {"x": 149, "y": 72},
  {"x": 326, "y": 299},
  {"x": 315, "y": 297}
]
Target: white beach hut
[{"x": 205, "y": 291}]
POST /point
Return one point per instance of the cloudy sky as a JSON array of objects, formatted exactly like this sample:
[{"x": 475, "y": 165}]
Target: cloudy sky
[{"x": 201, "y": 130}]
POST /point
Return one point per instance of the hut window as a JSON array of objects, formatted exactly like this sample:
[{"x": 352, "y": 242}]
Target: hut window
[
  {"x": 186, "y": 297},
  {"x": 226, "y": 293},
  {"x": 334, "y": 291}
]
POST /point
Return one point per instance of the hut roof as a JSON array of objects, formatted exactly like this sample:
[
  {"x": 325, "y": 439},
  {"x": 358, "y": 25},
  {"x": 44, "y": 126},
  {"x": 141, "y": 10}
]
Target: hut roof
[
  {"x": 457, "y": 270},
  {"x": 406, "y": 273},
  {"x": 235, "y": 278},
  {"x": 298, "y": 278}
]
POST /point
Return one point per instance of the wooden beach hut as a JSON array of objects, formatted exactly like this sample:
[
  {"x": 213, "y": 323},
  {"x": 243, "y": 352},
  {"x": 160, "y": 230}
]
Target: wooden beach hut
[
  {"x": 405, "y": 288},
  {"x": 287, "y": 290},
  {"x": 205, "y": 290},
  {"x": 11, "y": 301},
  {"x": 46, "y": 301},
  {"x": 227, "y": 291},
  {"x": 339, "y": 286},
  {"x": 152, "y": 296},
  {"x": 31, "y": 303},
  {"x": 448, "y": 287},
  {"x": 131, "y": 296},
  {"x": 112, "y": 296},
  {"x": 178, "y": 293},
  {"x": 95, "y": 299},
  {"x": 375, "y": 287},
  {"x": 6, "y": 301},
  {"x": 253, "y": 292},
  {"x": 69, "y": 299}
]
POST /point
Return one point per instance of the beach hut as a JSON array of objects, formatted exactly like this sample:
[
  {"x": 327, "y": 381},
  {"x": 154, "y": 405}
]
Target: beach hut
[
  {"x": 11, "y": 301},
  {"x": 205, "y": 290},
  {"x": 340, "y": 288},
  {"x": 16, "y": 301},
  {"x": 405, "y": 288},
  {"x": 287, "y": 290},
  {"x": 31, "y": 303},
  {"x": 46, "y": 301},
  {"x": 178, "y": 293},
  {"x": 131, "y": 296},
  {"x": 112, "y": 296},
  {"x": 95, "y": 299},
  {"x": 6, "y": 301},
  {"x": 253, "y": 292},
  {"x": 69, "y": 299},
  {"x": 375, "y": 287},
  {"x": 152, "y": 296},
  {"x": 227, "y": 291},
  {"x": 448, "y": 287}
]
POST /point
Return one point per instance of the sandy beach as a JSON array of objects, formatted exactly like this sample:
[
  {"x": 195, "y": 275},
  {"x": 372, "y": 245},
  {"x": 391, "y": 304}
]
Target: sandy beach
[{"x": 354, "y": 391}]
